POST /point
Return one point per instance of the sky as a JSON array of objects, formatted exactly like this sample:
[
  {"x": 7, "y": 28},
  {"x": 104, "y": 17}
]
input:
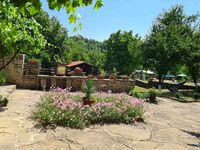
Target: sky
[{"x": 126, "y": 15}]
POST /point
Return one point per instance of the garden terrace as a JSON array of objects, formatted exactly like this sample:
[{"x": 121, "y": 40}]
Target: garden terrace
[{"x": 28, "y": 76}]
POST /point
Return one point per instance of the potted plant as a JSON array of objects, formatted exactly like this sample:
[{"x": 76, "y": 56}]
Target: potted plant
[
  {"x": 125, "y": 77},
  {"x": 88, "y": 88},
  {"x": 113, "y": 75},
  {"x": 101, "y": 75},
  {"x": 61, "y": 67},
  {"x": 33, "y": 61},
  {"x": 33, "y": 66},
  {"x": 90, "y": 76},
  {"x": 152, "y": 95}
]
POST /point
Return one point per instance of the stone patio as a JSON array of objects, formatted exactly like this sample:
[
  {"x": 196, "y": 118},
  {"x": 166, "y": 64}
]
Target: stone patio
[{"x": 170, "y": 125}]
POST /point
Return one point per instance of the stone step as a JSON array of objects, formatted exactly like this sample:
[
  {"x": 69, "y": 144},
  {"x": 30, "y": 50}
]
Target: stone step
[{"x": 7, "y": 90}]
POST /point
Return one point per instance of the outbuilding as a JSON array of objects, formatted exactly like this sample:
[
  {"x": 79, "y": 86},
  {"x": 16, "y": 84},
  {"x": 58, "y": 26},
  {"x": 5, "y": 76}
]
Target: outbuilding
[{"x": 84, "y": 66}]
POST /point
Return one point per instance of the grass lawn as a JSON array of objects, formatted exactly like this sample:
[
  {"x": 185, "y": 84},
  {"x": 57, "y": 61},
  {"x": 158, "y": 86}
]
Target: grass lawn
[{"x": 145, "y": 90}]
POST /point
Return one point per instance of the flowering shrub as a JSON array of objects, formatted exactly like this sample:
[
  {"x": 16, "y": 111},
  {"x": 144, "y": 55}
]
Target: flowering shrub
[{"x": 61, "y": 107}]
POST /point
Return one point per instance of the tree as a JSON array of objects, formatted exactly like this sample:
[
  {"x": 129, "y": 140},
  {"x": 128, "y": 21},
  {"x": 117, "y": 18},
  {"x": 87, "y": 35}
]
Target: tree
[
  {"x": 163, "y": 46},
  {"x": 19, "y": 32},
  {"x": 191, "y": 51},
  {"x": 26, "y": 9},
  {"x": 80, "y": 48},
  {"x": 56, "y": 37},
  {"x": 123, "y": 52},
  {"x": 69, "y": 5}
]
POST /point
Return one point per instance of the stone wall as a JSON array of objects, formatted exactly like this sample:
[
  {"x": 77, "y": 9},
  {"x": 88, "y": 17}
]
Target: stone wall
[
  {"x": 15, "y": 70},
  {"x": 31, "y": 82}
]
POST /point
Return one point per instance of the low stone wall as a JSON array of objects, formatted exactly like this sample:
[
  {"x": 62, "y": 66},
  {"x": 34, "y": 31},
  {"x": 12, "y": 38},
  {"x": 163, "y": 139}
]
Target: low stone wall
[
  {"x": 31, "y": 82},
  {"x": 152, "y": 84},
  {"x": 166, "y": 85},
  {"x": 76, "y": 82}
]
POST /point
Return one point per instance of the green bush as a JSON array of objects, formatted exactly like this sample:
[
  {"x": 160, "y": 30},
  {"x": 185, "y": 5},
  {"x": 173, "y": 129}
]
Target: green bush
[
  {"x": 3, "y": 77},
  {"x": 196, "y": 95},
  {"x": 3, "y": 101},
  {"x": 140, "y": 93},
  {"x": 198, "y": 89},
  {"x": 152, "y": 95},
  {"x": 64, "y": 109},
  {"x": 178, "y": 95}
]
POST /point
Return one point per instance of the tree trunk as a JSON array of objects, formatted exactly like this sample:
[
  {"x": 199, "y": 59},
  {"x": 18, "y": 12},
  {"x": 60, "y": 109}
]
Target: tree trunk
[
  {"x": 12, "y": 58},
  {"x": 160, "y": 82},
  {"x": 194, "y": 72},
  {"x": 194, "y": 80},
  {"x": 2, "y": 54}
]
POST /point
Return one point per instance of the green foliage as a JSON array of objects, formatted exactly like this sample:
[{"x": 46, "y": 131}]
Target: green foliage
[
  {"x": 178, "y": 95},
  {"x": 47, "y": 113},
  {"x": 56, "y": 37},
  {"x": 123, "y": 52},
  {"x": 152, "y": 95},
  {"x": 163, "y": 46},
  {"x": 191, "y": 50},
  {"x": 139, "y": 92},
  {"x": 114, "y": 72},
  {"x": 64, "y": 109},
  {"x": 19, "y": 32},
  {"x": 80, "y": 48},
  {"x": 69, "y": 5},
  {"x": 198, "y": 89},
  {"x": 88, "y": 88},
  {"x": 142, "y": 93},
  {"x": 3, "y": 101},
  {"x": 61, "y": 47},
  {"x": 3, "y": 77},
  {"x": 196, "y": 95}
]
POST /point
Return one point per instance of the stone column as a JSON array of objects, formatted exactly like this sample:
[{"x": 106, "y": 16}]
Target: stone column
[
  {"x": 68, "y": 83},
  {"x": 17, "y": 70},
  {"x": 53, "y": 82},
  {"x": 43, "y": 83}
]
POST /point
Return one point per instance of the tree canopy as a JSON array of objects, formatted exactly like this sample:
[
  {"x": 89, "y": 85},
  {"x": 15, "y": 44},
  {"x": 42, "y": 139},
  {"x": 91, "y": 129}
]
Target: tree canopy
[
  {"x": 163, "y": 47},
  {"x": 69, "y": 5},
  {"x": 19, "y": 32},
  {"x": 56, "y": 37},
  {"x": 66, "y": 49},
  {"x": 123, "y": 52},
  {"x": 191, "y": 50}
]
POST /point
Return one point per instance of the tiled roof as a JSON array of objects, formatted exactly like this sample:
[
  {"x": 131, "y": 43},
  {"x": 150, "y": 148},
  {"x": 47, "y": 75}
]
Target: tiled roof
[{"x": 74, "y": 63}]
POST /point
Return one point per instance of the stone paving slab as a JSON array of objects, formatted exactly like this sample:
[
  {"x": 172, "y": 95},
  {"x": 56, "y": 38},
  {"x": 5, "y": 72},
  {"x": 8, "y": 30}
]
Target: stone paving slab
[{"x": 169, "y": 125}]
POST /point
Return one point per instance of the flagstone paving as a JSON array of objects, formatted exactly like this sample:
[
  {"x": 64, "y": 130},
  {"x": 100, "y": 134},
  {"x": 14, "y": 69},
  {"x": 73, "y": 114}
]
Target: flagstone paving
[{"x": 169, "y": 125}]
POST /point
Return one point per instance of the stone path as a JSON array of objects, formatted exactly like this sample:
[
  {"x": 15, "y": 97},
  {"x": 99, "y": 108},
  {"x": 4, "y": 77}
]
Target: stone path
[
  {"x": 170, "y": 126},
  {"x": 5, "y": 91}
]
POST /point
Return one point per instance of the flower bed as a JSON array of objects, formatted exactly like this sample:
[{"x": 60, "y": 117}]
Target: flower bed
[{"x": 63, "y": 108}]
